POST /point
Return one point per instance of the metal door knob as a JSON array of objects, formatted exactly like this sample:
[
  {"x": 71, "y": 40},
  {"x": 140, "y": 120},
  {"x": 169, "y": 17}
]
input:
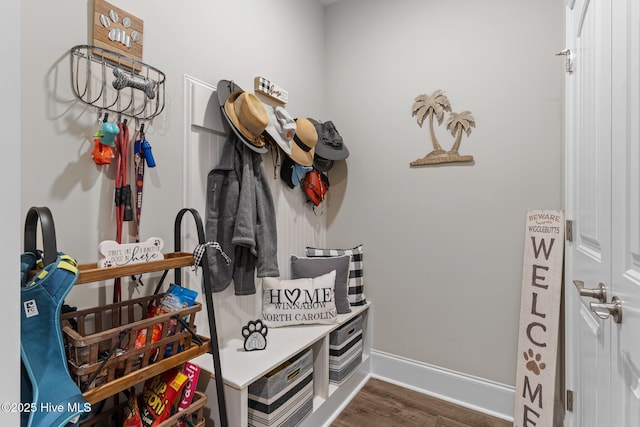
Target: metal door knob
[
  {"x": 568, "y": 55},
  {"x": 600, "y": 293},
  {"x": 606, "y": 310}
]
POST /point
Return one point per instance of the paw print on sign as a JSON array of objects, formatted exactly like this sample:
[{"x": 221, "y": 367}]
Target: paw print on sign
[
  {"x": 255, "y": 335},
  {"x": 533, "y": 363},
  {"x": 119, "y": 30}
]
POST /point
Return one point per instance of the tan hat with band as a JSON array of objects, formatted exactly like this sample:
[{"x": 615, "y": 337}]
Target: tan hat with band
[
  {"x": 248, "y": 115},
  {"x": 244, "y": 113},
  {"x": 304, "y": 142}
]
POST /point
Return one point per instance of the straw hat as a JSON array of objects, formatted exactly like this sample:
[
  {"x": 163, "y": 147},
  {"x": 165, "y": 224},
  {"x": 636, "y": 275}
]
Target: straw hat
[
  {"x": 304, "y": 142},
  {"x": 245, "y": 113}
]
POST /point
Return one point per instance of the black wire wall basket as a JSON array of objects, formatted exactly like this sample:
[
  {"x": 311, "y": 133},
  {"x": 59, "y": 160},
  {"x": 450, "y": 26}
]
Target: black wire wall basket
[{"x": 113, "y": 82}]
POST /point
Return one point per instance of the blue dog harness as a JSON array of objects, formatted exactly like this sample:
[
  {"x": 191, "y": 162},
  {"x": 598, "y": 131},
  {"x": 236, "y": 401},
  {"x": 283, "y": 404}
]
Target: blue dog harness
[{"x": 53, "y": 397}]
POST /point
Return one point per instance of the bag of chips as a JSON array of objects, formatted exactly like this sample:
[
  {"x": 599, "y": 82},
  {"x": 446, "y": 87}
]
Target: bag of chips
[
  {"x": 159, "y": 395},
  {"x": 176, "y": 298},
  {"x": 131, "y": 411},
  {"x": 192, "y": 371}
]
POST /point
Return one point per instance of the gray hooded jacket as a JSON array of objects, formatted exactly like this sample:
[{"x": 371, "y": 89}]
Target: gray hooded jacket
[{"x": 240, "y": 216}]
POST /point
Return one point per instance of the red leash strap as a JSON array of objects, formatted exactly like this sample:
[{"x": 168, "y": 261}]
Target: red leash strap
[{"x": 122, "y": 197}]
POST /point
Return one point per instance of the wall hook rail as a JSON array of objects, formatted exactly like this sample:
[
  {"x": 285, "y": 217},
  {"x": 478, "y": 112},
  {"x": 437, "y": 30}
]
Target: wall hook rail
[{"x": 114, "y": 82}]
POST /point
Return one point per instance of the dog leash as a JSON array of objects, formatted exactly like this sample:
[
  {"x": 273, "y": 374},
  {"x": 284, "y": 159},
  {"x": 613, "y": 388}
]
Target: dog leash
[
  {"x": 113, "y": 350},
  {"x": 138, "y": 160},
  {"x": 142, "y": 155},
  {"x": 122, "y": 196},
  {"x": 123, "y": 190},
  {"x": 138, "y": 164}
]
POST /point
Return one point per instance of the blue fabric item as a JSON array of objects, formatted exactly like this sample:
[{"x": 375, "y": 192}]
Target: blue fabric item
[
  {"x": 26, "y": 394},
  {"x": 299, "y": 172},
  {"x": 27, "y": 263},
  {"x": 55, "y": 398}
]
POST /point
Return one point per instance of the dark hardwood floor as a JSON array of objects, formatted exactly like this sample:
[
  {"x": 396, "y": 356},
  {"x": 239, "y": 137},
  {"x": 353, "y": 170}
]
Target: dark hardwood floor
[{"x": 382, "y": 404}]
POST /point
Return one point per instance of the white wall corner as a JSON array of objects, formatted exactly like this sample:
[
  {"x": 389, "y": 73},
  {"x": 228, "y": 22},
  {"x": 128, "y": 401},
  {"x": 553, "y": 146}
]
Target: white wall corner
[{"x": 475, "y": 393}]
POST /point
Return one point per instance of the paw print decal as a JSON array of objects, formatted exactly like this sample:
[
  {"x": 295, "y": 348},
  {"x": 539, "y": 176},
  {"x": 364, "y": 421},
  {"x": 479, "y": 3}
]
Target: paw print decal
[
  {"x": 533, "y": 362},
  {"x": 120, "y": 30},
  {"x": 255, "y": 335}
]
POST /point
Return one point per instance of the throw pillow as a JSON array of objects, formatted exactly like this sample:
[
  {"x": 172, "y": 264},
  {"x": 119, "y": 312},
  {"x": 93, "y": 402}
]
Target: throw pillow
[
  {"x": 356, "y": 270},
  {"x": 299, "y": 301},
  {"x": 314, "y": 267}
]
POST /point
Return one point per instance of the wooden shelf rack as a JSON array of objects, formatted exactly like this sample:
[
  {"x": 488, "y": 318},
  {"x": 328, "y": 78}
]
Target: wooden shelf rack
[
  {"x": 176, "y": 260},
  {"x": 92, "y": 273}
]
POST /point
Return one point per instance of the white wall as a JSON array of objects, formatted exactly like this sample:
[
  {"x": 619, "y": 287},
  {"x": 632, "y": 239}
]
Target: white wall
[
  {"x": 10, "y": 122},
  {"x": 443, "y": 245}
]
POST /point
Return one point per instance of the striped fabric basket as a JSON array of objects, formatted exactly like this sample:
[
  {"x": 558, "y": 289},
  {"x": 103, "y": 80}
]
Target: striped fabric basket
[
  {"x": 345, "y": 350},
  {"x": 284, "y": 396}
]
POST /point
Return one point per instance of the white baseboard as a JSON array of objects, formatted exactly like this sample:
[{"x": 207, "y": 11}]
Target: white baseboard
[{"x": 475, "y": 393}]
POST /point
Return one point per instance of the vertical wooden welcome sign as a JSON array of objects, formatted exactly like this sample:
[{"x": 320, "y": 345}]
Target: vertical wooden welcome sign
[{"x": 539, "y": 319}]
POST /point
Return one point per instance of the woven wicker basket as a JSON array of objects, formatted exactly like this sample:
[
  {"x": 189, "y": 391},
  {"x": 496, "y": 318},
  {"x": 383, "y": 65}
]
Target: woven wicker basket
[{"x": 100, "y": 342}]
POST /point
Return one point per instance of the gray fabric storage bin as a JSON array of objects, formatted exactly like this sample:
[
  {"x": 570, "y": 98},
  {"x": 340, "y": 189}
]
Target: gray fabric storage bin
[
  {"x": 345, "y": 350},
  {"x": 284, "y": 396}
]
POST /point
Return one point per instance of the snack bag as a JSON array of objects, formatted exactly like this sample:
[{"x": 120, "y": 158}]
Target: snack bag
[
  {"x": 131, "y": 411},
  {"x": 141, "y": 338},
  {"x": 192, "y": 371},
  {"x": 176, "y": 298},
  {"x": 159, "y": 394}
]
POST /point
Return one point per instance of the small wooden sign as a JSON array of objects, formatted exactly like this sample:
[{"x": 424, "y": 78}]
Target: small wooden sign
[
  {"x": 117, "y": 30},
  {"x": 118, "y": 254},
  {"x": 539, "y": 318},
  {"x": 265, "y": 87},
  {"x": 426, "y": 108}
]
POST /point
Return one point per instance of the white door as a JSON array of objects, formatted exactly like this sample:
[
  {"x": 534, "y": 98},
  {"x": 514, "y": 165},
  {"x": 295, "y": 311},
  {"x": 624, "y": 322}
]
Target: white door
[
  {"x": 603, "y": 200},
  {"x": 625, "y": 260},
  {"x": 588, "y": 205}
]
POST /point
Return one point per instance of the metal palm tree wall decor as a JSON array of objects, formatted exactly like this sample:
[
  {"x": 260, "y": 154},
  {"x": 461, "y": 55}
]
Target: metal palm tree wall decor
[{"x": 435, "y": 105}]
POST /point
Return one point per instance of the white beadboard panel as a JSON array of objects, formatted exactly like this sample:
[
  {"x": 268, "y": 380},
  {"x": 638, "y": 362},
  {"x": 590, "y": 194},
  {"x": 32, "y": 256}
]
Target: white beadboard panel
[
  {"x": 297, "y": 225},
  {"x": 204, "y": 136}
]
